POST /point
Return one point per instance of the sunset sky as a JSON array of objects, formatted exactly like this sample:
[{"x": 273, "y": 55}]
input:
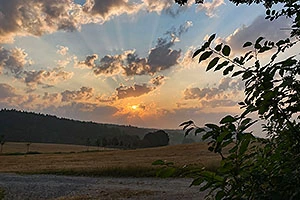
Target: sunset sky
[{"x": 123, "y": 61}]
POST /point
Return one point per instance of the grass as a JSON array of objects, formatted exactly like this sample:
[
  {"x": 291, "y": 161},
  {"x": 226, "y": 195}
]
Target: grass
[
  {"x": 2, "y": 193},
  {"x": 21, "y": 147},
  {"x": 117, "y": 163}
]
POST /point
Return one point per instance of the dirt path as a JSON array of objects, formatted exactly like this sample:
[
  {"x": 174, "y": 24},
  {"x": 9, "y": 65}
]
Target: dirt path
[{"x": 35, "y": 187}]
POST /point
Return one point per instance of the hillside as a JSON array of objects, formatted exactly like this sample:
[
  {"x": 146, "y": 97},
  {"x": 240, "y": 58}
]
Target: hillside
[{"x": 20, "y": 126}]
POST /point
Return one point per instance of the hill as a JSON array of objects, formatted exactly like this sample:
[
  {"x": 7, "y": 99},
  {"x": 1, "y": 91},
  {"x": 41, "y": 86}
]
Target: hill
[{"x": 21, "y": 126}]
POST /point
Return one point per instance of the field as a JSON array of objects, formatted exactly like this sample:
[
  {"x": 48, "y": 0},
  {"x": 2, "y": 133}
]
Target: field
[{"x": 75, "y": 160}]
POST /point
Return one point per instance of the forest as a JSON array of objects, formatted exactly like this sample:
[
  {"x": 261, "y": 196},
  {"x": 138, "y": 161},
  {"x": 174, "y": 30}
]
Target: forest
[{"x": 21, "y": 126}]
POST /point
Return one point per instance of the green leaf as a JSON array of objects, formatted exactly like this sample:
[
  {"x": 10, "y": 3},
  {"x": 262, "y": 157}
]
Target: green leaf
[
  {"x": 247, "y": 75},
  {"x": 197, "y": 52},
  {"x": 222, "y": 136},
  {"x": 211, "y": 38},
  {"x": 186, "y": 123},
  {"x": 205, "y": 55},
  {"x": 237, "y": 73},
  {"x": 247, "y": 44},
  {"x": 212, "y": 63},
  {"x": 197, "y": 181},
  {"x": 188, "y": 130},
  {"x": 212, "y": 126},
  {"x": 199, "y": 130},
  {"x": 226, "y": 50},
  {"x": 166, "y": 172},
  {"x": 218, "y": 47},
  {"x": 220, "y": 66},
  {"x": 259, "y": 40},
  {"x": 158, "y": 162},
  {"x": 220, "y": 195},
  {"x": 228, "y": 70},
  {"x": 206, "y": 186},
  {"x": 207, "y": 135},
  {"x": 257, "y": 45},
  {"x": 227, "y": 119},
  {"x": 244, "y": 146}
]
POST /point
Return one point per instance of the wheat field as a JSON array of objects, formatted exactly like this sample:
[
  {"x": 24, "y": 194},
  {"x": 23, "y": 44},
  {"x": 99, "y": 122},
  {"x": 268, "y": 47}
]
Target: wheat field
[{"x": 71, "y": 157}]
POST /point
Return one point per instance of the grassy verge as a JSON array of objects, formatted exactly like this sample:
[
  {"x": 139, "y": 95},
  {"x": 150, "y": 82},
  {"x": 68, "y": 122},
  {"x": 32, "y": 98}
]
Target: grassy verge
[
  {"x": 112, "y": 172},
  {"x": 129, "y": 171},
  {"x": 2, "y": 193}
]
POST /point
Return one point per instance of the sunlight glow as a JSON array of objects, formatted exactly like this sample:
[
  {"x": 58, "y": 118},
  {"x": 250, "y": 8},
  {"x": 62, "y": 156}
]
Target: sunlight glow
[{"x": 134, "y": 107}]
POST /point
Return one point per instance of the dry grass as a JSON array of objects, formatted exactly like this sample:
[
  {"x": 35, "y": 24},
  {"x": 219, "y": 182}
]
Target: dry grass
[
  {"x": 186, "y": 154},
  {"x": 20, "y": 147}
]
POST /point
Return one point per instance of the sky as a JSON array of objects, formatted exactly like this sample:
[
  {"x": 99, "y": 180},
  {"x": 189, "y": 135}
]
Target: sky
[{"x": 123, "y": 61}]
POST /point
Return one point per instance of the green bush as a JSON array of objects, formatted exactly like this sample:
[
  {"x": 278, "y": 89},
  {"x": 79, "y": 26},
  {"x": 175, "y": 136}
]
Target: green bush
[{"x": 255, "y": 168}]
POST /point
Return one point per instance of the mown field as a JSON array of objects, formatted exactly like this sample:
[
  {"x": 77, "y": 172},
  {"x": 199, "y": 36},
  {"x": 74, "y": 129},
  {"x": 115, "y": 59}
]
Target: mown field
[{"x": 74, "y": 160}]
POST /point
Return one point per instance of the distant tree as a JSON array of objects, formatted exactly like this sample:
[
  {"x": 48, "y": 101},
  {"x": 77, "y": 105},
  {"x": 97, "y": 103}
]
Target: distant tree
[
  {"x": 98, "y": 143},
  {"x": 88, "y": 144},
  {"x": 28, "y": 147},
  {"x": 155, "y": 139},
  {"x": 115, "y": 141},
  {"x": 104, "y": 142},
  {"x": 2, "y": 142}
]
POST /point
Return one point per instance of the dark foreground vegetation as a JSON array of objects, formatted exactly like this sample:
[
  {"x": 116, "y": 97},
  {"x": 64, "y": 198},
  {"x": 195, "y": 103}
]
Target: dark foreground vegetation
[{"x": 256, "y": 168}]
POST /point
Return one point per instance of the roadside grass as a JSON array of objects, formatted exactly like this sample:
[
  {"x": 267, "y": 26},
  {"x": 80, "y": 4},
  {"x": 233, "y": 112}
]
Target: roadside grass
[
  {"x": 130, "y": 171},
  {"x": 2, "y": 193}
]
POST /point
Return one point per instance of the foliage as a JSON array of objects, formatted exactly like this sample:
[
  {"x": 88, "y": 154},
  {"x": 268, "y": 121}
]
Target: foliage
[
  {"x": 255, "y": 168},
  {"x": 155, "y": 139},
  {"x": 21, "y": 126},
  {"x": 2, "y": 193}
]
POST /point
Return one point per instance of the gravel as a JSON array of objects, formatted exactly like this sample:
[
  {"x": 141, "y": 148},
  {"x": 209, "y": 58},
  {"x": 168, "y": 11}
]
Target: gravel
[{"x": 36, "y": 187}]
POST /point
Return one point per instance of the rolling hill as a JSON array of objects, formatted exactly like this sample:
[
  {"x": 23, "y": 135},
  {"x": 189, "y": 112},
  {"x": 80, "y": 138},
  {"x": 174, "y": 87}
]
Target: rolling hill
[{"x": 21, "y": 126}]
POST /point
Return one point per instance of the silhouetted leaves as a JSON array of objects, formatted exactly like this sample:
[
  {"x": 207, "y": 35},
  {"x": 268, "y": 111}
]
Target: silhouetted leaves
[
  {"x": 226, "y": 50},
  {"x": 212, "y": 63},
  {"x": 205, "y": 55},
  {"x": 247, "y": 44}
]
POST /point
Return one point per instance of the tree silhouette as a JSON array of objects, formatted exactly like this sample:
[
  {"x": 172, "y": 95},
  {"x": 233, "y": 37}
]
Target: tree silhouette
[
  {"x": 2, "y": 142},
  {"x": 155, "y": 139},
  {"x": 256, "y": 168}
]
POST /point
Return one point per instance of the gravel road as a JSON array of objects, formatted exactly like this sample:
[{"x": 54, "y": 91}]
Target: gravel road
[{"x": 52, "y": 187}]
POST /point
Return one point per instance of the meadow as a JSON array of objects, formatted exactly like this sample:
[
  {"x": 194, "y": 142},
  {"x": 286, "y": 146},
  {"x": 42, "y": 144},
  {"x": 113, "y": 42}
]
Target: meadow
[{"x": 76, "y": 160}]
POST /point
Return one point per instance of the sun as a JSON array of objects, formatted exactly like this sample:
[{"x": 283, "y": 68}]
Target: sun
[{"x": 134, "y": 107}]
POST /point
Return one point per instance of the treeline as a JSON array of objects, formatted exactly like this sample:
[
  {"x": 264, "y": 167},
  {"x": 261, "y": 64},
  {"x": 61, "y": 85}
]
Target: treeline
[
  {"x": 21, "y": 126},
  {"x": 152, "y": 139}
]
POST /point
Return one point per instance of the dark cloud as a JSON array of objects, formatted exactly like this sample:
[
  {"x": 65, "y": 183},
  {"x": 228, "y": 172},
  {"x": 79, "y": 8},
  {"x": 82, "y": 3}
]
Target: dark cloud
[
  {"x": 36, "y": 17},
  {"x": 46, "y": 78},
  {"x": 136, "y": 65},
  {"x": 132, "y": 91},
  {"x": 109, "y": 65},
  {"x": 90, "y": 61},
  {"x": 161, "y": 57},
  {"x": 85, "y": 93},
  {"x": 271, "y": 30},
  {"x": 106, "y": 9},
  {"x": 13, "y": 61}
]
